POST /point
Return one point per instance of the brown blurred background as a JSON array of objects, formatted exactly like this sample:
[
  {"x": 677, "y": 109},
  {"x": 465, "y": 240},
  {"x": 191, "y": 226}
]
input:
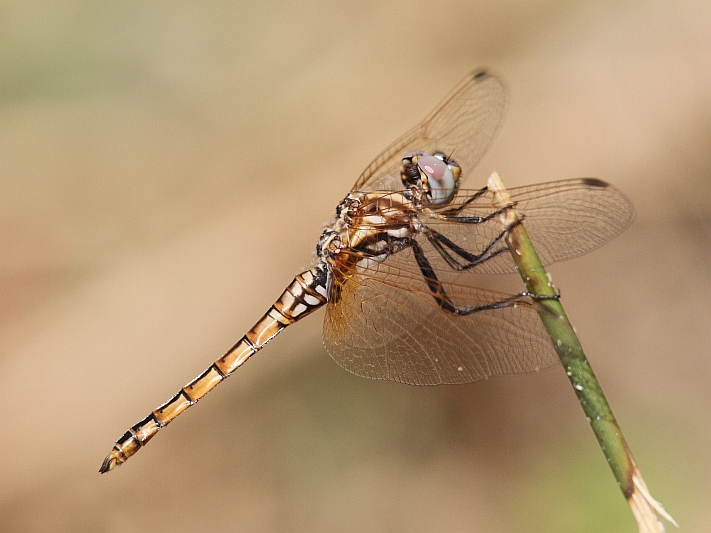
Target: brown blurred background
[{"x": 165, "y": 168}]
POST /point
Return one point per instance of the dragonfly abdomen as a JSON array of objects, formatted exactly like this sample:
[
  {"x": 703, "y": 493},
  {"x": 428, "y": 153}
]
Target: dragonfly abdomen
[{"x": 304, "y": 295}]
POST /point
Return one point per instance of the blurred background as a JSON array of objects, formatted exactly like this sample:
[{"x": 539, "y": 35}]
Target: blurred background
[{"x": 165, "y": 170}]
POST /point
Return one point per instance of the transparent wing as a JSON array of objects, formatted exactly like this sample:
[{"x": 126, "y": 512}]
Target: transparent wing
[
  {"x": 385, "y": 324},
  {"x": 565, "y": 219},
  {"x": 382, "y": 320},
  {"x": 463, "y": 125}
]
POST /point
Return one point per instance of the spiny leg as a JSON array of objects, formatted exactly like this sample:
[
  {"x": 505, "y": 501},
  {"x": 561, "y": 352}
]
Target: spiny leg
[
  {"x": 473, "y": 197},
  {"x": 452, "y": 214},
  {"x": 439, "y": 242},
  {"x": 475, "y": 219},
  {"x": 443, "y": 300}
]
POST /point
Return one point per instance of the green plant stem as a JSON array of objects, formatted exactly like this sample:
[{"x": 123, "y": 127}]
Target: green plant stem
[
  {"x": 566, "y": 343},
  {"x": 577, "y": 367}
]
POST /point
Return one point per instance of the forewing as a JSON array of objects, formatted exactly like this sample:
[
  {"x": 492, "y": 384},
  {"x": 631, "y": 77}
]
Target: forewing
[
  {"x": 463, "y": 126},
  {"x": 385, "y": 324},
  {"x": 564, "y": 219}
]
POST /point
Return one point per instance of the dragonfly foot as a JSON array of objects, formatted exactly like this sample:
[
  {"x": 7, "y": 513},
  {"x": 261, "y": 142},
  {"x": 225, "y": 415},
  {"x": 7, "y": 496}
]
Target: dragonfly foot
[{"x": 535, "y": 296}]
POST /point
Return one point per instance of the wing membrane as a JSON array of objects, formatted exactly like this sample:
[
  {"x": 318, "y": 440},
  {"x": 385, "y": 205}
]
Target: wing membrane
[
  {"x": 463, "y": 125},
  {"x": 565, "y": 219},
  {"x": 386, "y": 325}
]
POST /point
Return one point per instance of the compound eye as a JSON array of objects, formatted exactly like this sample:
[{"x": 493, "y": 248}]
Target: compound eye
[{"x": 441, "y": 182}]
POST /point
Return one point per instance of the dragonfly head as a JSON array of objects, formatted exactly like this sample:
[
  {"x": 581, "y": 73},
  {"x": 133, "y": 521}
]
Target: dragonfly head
[{"x": 436, "y": 175}]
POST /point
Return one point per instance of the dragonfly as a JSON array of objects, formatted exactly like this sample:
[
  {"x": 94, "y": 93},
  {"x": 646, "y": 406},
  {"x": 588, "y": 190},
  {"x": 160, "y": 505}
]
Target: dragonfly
[{"x": 398, "y": 269}]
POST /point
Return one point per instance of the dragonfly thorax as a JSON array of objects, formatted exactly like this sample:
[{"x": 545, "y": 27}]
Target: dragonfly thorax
[{"x": 368, "y": 228}]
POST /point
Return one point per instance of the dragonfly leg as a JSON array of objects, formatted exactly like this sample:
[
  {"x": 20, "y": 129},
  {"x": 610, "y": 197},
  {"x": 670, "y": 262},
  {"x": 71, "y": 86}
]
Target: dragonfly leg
[
  {"x": 472, "y": 198},
  {"x": 452, "y": 215},
  {"x": 441, "y": 243},
  {"x": 443, "y": 300},
  {"x": 476, "y": 219},
  {"x": 535, "y": 296}
]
